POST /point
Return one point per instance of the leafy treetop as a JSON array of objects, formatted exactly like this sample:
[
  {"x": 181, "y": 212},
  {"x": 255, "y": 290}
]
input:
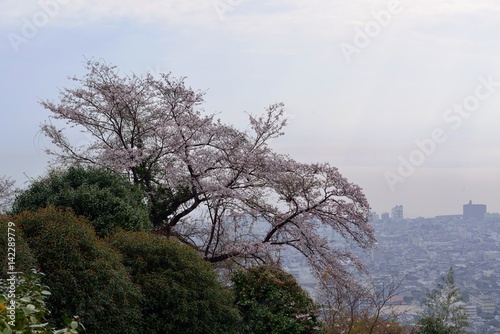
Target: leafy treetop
[
  {"x": 106, "y": 199},
  {"x": 271, "y": 301},
  {"x": 444, "y": 309}
]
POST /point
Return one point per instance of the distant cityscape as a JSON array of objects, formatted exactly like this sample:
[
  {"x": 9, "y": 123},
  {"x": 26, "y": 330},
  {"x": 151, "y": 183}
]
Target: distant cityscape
[
  {"x": 422, "y": 250},
  {"x": 470, "y": 211}
]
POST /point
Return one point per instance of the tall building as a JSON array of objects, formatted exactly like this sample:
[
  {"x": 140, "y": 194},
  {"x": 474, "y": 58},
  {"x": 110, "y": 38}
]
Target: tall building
[
  {"x": 474, "y": 211},
  {"x": 397, "y": 212}
]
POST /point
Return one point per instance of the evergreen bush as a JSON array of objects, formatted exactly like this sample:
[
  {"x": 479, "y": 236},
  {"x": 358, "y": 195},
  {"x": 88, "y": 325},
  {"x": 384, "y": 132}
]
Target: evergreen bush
[
  {"x": 86, "y": 275},
  {"x": 181, "y": 290}
]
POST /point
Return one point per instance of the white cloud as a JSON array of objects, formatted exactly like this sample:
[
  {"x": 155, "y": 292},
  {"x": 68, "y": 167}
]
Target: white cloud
[
  {"x": 71, "y": 12},
  {"x": 273, "y": 22}
]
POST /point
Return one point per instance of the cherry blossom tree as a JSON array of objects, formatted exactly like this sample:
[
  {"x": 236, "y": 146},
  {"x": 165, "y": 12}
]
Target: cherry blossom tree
[{"x": 221, "y": 190}]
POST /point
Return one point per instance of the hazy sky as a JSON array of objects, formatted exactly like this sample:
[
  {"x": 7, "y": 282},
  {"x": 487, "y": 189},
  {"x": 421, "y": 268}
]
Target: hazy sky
[{"x": 402, "y": 96}]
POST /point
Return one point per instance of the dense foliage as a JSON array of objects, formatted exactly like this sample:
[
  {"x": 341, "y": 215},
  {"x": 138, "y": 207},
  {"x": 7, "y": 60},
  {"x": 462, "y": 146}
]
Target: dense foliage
[
  {"x": 23, "y": 306},
  {"x": 107, "y": 199},
  {"x": 181, "y": 291},
  {"x": 272, "y": 302},
  {"x": 24, "y": 260},
  {"x": 86, "y": 275}
]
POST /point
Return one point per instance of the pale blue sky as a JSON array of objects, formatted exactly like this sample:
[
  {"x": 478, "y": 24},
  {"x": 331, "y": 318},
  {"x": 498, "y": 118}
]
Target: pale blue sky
[{"x": 361, "y": 114}]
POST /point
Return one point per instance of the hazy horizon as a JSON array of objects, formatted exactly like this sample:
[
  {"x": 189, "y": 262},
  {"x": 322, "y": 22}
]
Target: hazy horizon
[{"x": 402, "y": 97}]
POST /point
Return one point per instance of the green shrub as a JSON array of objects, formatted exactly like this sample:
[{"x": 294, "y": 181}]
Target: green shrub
[
  {"x": 23, "y": 307},
  {"x": 86, "y": 276},
  {"x": 107, "y": 199},
  {"x": 272, "y": 302},
  {"x": 24, "y": 258},
  {"x": 182, "y": 294}
]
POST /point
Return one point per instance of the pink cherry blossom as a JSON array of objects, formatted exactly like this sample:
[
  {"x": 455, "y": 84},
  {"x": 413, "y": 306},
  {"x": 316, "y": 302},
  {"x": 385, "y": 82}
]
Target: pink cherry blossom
[{"x": 223, "y": 191}]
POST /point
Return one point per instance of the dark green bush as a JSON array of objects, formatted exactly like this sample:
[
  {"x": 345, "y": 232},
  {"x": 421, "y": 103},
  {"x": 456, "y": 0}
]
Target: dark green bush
[
  {"x": 24, "y": 258},
  {"x": 86, "y": 275},
  {"x": 107, "y": 199},
  {"x": 272, "y": 302},
  {"x": 30, "y": 313},
  {"x": 182, "y": 293}
]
